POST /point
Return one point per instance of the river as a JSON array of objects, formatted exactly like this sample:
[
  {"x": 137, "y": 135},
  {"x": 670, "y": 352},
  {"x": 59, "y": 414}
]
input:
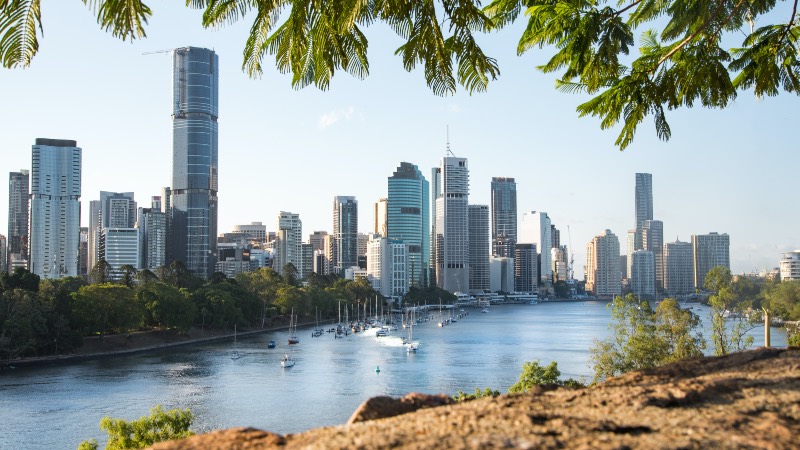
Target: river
[{"x": 56, "y": 407}]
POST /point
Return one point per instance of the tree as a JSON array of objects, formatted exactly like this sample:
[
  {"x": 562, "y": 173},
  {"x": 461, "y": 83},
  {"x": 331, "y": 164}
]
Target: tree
[
  {"x": 643, "y": 338},
  {"x": 166, "y": 306},
  {"x": 129, "y": 275},
  {"x": 19, "y": 279},
  {"x": 681, "y": 59},
  {"x": 101, "y": 272},
  {"x": 732, "y": 315},
  {"x": 534, "y": 374},
  {"x": 159, "y": 426},
  {"x": 104, "y": 308}
]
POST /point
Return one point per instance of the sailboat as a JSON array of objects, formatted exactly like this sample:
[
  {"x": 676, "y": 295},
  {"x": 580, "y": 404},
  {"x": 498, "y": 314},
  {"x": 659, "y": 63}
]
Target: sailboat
[
  {"x": 411, "y": 346},
  {"x": 287, "y": 361},
  {"x": 235, "y": 354},
  {"x": 293, "y": 339}
]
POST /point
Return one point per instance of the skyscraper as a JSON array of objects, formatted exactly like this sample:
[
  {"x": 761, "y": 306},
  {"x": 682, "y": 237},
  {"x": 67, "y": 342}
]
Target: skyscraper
[
  {"x": 709, "y": 250},
  {"x": 603, "y": 275},
  {"x": 450, "y": 236},
  {"x": 644, "y": 199},
  {"x": 653, "y": 240},
  {"x": 504, "y": 216},
  {"x": 113, "y": 210},
  {"x": 193, "y": 204},
  {"x": 678, "y": 268},
  {"x": 479, "y": 247},
  {"x": 536, "y": 230},
  {"x": 288, "y": 242},
  {"x": 55, "y": 228},
  {"x": 345, "y": 233},
  {"x": 152, "y": 226},
  {"x": 381, "y": 217},
  {"x": 642, "y": 280},
  {"x": 408, "y": 219},
  {"x": 526, "y": 277},
  {"x": 18, "y": 191}
]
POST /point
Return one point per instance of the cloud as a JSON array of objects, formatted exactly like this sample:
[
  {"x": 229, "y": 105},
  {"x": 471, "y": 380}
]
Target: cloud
[{"x": 330, "y": 118}]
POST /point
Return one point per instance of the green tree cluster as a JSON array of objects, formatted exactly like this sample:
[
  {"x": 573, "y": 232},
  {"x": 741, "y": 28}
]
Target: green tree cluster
[
  {"x": 534, "y": 374},
  {"x": 682, "y": 58},
  {"x": 159, "y": 426},
  {"x": 643, "y": 338}
]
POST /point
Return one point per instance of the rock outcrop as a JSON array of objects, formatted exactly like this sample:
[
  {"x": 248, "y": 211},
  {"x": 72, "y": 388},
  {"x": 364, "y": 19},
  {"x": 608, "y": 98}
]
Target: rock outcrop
[{"x": 745, "y": 400}]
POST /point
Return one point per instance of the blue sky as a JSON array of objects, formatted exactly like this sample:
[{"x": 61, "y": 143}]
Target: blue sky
[{"x": 281, "y": 149}]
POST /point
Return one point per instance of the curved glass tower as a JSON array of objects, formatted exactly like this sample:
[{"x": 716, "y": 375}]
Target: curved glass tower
[
  {"x": 407, "y": 219},
  {"x": 193, "y": 221}
]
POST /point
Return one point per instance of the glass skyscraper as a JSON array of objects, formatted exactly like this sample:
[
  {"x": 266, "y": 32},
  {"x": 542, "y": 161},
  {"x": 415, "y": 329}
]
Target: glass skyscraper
[
  {"x": 193, "y": 203},
  {"x": 450, "y": 253},
  {"x": 345, "y": 233},
  {"x": 644, "y": 199},
  {"x": 408, "y": 219},
  {"x": 55, "y": 208},
  {"x": 504, "y": 216},
  {"x": 18, "y": 191}
]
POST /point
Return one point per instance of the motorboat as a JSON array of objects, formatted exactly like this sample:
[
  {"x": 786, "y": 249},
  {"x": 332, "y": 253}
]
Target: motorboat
[{"x": 287, "y": 361}]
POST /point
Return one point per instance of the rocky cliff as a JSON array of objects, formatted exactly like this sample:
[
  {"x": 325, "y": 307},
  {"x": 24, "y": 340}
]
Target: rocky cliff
[{"x": 745, "y": 400}]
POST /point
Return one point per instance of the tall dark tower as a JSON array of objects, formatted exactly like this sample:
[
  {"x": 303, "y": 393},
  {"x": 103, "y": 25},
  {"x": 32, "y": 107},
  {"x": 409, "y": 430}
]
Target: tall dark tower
[
  {"x": 504, "y": 216},
  {"x": 193, "y": 202}
]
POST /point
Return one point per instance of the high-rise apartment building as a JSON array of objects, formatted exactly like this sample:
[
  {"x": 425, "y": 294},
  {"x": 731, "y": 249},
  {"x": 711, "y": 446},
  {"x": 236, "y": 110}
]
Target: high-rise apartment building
[
  {"x": 288, "y": 242},
  {"x": 387, "y": 265},
  {"x": 526, "y": 277},
  {"x": 504, "y": 216},
  {"x": 152, "y": 226},
  {"x": 3, "y": 254},
  {"x": 450, "y": 234},
  {"x": 603, "y": 276},
  {"x": 479, "y": 249},
  {"x": 55, "y": 228},
  {"x": 709, "y": 251},
  {"x": 653, "y": 241},
  {"x": 18, "y": 201},
  {"x": 345, "y": 233},
  {"x": 790, "y": 266},
  {"x": 536, "y": 230},
  {"x": 113, "y": 210},
  {"x": 193, "y": 195},
  {"x": 408, "y": 219},
  {"x": 120, "y": 247},
  {"x": 255, "y": 231},
  {"x": 643, "y": 202},
  {"x": 642, "y": 280},
  {"x": 381, "y": 212},
  {"x": 83, "y": 252},
  {"x": 678, "y": 268}
]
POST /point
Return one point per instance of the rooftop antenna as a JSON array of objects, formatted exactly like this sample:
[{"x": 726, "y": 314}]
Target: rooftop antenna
[{"x": 449, "y": 152}]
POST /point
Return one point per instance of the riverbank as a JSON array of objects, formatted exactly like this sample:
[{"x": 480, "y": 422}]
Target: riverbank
[{"x": 115, "y": 345}]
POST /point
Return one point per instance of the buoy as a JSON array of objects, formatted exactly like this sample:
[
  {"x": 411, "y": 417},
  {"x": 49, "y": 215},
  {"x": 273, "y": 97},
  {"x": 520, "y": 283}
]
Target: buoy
[{"x": 378, "y": 369}]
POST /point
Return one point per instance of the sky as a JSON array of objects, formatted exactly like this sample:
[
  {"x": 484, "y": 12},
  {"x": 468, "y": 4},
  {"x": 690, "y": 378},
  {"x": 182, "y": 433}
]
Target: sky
[{"x": 281, "y": 149}]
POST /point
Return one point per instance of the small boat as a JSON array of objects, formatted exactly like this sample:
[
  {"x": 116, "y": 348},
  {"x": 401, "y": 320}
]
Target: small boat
[
  {"x": 287, "y": 361},
  {"x": 380, "y": 332},
  {"x": 484, "y": 310},
  {"x": 271, "y": 344},
  {"x": 293, "y": 339},
  {"x": 236, "y": 355}
]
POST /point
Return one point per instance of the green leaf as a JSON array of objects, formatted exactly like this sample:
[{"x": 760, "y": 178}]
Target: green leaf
[{"x": 19, "y": 20}]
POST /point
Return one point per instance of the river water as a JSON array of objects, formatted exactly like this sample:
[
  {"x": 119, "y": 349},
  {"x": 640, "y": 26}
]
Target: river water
[{"x": 59, "y": 406}]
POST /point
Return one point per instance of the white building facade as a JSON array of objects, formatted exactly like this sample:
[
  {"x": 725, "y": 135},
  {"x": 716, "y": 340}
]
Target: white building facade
[
  {"x": 790, "y": 266},
  {"x": 643, "y": 274},
  {"x": 450, "y": 234},
  {"x": 603, "y": 275}
]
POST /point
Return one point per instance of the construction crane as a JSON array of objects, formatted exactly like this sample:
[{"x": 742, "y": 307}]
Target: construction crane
[{"x": 570, "y": 271}]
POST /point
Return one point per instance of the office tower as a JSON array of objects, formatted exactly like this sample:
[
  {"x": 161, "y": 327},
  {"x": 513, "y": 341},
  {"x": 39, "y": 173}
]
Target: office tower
[
  {"x": 526, "y": 272},
  {"x": 345, "y": 233},
  {"x": 709, "y": 251},
  {"x": 643, "y": 202},
  {"x": 653, "y": 240},
  {"x": 255, "y": 231},
  {"x": 288, "y": 242},
  {"x": 504, "y": 216},
  {"x": 536, "y": 230},
  {"x": 555, "y": 236},
  {"x": 450, "y": 234},
  {"x": 307, "y": 260},
  {"x": 790, "y": 266},
  {"x": 633, "y": 242},
  {"x": 478, "y": 247},
  {"x": 603, "y": 275},
  {"x": 558, "y": 256},
  {"x": 193, "y": 201},
  {"x": 381, "y": 212},
  {"x": 113, "y": 210},
  {"x": 83, "y": 252},
  {"x": 3, "y": 254},
  {"x": 152, "y": 226},
  {"x": 678, "y": 268},
  {"x": 642, "y": 280},
  {"x": 387, "y": 265},
  {"x": 55, "y": 222},
  {"x": 166, "y": 208},
  {"x": 18, "y": 200},
  {"x": 501, "y": 274},
  {"x": 120, "y": 247},
  {"x": 317, "y": 240},
  {"x": 408, "y": 219}
]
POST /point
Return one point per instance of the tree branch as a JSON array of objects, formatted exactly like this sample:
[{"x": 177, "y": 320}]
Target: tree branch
[
  {"x": 699, "y": 30},
  {"x": 619, "y": 13}
]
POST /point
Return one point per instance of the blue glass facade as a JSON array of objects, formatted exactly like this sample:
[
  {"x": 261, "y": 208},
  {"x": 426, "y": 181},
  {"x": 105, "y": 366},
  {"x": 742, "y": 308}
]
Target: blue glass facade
[
  {"x": 193, "y": 218},
  {"x": 408, "y": 219}
]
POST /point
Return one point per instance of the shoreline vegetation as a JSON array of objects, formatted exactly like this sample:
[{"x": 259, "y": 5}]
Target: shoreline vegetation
[{"x": 150, "y": 341}]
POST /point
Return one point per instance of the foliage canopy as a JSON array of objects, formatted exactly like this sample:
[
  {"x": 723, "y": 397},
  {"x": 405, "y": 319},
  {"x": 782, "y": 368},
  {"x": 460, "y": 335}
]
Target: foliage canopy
[{"x": 682, "y": 60}]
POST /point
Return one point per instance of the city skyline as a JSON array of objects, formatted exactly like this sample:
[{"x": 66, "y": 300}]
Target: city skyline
[{"x": 271, "y": 134}]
